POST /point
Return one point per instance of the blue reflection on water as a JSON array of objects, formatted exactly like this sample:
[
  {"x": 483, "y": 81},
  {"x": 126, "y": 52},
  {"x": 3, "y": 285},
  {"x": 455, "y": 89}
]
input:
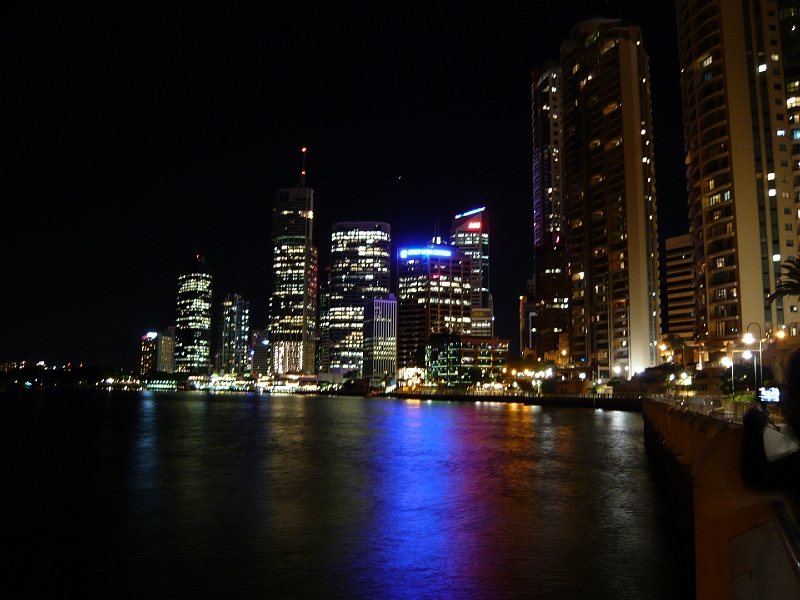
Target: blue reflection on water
[{"x": 213, "y": 496}]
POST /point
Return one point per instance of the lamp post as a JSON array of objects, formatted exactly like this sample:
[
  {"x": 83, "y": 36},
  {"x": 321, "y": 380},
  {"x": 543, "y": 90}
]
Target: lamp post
[
  {"x": 727, "y": 362},
  {"x": 748, "y": 339}
]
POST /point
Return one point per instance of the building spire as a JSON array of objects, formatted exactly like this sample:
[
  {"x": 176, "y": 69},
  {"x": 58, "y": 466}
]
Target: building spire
[{"x": 303, "y": 172}]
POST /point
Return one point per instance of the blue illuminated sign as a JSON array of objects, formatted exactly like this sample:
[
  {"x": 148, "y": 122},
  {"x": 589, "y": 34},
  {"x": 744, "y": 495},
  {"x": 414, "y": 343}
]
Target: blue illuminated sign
[{"x": 425, "y": 252}]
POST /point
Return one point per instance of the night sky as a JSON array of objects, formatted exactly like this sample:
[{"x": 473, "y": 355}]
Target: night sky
[{"x": 136, "y": 135}]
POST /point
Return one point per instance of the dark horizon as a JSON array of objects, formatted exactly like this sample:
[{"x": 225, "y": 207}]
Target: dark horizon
[{"x": 139, "y": 136}]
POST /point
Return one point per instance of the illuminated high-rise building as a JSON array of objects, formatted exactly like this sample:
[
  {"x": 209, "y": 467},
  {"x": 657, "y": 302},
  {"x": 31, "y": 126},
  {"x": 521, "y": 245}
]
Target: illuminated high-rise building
[
  {"x": 324, "y": 346},
  {"x": 293, "y": 305},
  {"x": 193, "y": 325},
  {"x": 149, "y": 353},
  {"x": 158, "y": 352},
  {"x": 547, "y": 306},
  {"x": 234, "y": 332},
  {"x": 434, "y": 296},
  {"x": 740, "y": 81},
  {"x": 360, "y": 273},
  {"x": 470, "y": 234},
  {"x": 380, "y": 341},
  {"x": 608, "y": 189}
]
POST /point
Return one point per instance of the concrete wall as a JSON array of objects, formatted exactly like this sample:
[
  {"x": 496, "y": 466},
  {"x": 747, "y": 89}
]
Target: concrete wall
[{"x": 707, "y": 452}]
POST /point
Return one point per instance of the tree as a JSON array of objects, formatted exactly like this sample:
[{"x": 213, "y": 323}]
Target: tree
[
  {"x": 789, "y": 282},
  {"x": 676, "y": 344}
]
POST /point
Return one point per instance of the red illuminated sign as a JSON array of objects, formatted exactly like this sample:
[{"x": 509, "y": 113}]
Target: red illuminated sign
[{"x": 474, "y": 225}]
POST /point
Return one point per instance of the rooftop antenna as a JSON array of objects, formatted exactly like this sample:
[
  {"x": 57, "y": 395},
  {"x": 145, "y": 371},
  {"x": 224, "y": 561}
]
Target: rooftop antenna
[{"x": 303, "y": 172}]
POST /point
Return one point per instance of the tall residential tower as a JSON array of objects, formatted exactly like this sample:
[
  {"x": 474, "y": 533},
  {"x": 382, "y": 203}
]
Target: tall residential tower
[
  {"x": 547, "y": 310},
  {"x": 610, "y": 198},
  {"x": 739, "y": 163}
]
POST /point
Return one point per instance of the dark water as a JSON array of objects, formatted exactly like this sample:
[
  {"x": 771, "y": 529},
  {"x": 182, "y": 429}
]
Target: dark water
[{"x": 244, "y": 496}]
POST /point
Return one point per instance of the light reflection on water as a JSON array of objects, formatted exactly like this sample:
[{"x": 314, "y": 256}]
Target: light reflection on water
[{"x": 242, "y": 495}]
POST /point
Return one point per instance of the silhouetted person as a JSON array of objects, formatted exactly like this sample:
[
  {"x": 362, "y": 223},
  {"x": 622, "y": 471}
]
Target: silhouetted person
[{"x": 771, "y": 459}]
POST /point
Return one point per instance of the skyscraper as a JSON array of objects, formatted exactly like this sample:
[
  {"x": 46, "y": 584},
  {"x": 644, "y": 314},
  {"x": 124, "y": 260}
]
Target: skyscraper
[
  {"x": 433, "y": 285},
  {"x": 739, "y": 163},
  {"x": 193, "y": 325},
  {"x": 547, "y": 310},
  {"x": 293, "y": 305},
  {"x": 609, "y": 196},
  {"x": 234, "y": 332},
  {"x": 470, "y": 235},
  {"x": 360, "y": 273}
]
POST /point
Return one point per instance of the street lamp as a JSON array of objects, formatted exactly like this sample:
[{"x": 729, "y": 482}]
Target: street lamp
[
  {"x": 727, "y": 362},
  {"x": 748, "y": 339}
]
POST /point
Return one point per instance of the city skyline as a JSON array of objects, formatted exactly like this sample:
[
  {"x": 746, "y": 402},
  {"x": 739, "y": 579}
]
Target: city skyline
[{"x": 180, "y": 139}]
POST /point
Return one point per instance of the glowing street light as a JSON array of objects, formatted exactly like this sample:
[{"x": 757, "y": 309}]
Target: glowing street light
[
  {"x": 749, "y": 339},
  {"x": 727, "y": 362}
]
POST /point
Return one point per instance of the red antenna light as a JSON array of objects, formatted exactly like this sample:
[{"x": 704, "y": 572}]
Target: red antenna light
[{"x": 303, "y": 172}]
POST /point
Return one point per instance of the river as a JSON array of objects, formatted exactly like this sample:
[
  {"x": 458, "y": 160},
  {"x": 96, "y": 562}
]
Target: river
[{"x": 142, "y": 495}]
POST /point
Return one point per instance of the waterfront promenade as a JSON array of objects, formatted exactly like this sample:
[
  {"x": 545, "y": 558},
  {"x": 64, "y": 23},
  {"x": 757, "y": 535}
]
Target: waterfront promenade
[{"x": 746, "y": 541}]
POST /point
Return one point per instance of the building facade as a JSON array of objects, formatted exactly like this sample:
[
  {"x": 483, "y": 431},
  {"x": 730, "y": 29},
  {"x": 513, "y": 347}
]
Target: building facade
[
  {"x": 234, "y": 336},
  {"x": 360, "y": 273},
  {"x": 738, "y": 112},
  {"x": 460, "y": 360},
  {"x": 293, "y": 305},
  {"x": 260, "y": 354},
  {"x": 609, "y": 196},
  {"x": 380, "y": 341},
  {"x": 678, "y": 315},
  {"x": 470, "y": 235},
  {"x": 547, "y": 307},
  {"x": 434, "y": 296},
  {"x": 193, "y": 324},
  {"x": 158, "y": 352}
]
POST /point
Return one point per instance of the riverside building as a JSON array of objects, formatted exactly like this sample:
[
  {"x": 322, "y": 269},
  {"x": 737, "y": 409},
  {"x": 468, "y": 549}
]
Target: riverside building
[
  {"x": 360, "y": 273},
  {"x": 158, "y": 352},
  {"x": 434, "y": 296},
  {"x": 232, "y": 355},
  {"x": 380, "y": 341},
  {"x": 470, "y": 235},
  {"x": 193, "y": 324},
  {"x": 293, "y": 305},
  {"x": 609, "y": 195},
  {"x": 740, "y": 125},
  {"x": 546, "y": 310}
]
